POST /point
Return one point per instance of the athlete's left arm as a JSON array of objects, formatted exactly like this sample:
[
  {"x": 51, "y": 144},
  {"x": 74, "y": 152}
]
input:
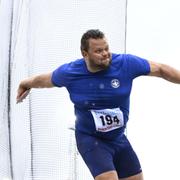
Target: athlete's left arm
[{"x": 164, "y": 71}]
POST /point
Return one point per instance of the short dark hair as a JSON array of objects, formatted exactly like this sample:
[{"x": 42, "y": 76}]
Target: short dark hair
[{"x": 92, "y": 33}]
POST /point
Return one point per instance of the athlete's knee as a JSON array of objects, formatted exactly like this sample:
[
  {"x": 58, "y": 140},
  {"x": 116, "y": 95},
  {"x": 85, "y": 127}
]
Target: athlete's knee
[
  {"x": 110, "y": 175},
  {"x": 135, "y": 177}
]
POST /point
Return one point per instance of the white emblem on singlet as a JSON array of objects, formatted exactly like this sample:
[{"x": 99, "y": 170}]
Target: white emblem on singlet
[{"x": 115, "y": 83}]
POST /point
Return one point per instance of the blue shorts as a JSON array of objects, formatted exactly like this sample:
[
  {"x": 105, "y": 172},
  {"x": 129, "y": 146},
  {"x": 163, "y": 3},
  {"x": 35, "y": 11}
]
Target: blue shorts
[{"x": 102, "y": 155}]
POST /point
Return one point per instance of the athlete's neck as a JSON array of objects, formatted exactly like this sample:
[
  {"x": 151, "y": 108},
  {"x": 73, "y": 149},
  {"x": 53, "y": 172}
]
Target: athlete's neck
[{"x": 94, "y": 68}]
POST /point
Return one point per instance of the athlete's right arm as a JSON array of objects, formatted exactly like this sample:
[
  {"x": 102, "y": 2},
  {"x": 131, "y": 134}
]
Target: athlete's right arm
[{"x": 39, "y": 81}]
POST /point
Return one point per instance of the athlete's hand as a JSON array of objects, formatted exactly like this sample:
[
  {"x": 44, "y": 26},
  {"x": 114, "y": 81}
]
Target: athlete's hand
[{"x": 22, "y": 92}]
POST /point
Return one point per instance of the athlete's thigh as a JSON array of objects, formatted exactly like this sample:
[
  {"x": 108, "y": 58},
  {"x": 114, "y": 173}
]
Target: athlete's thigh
[
  {"x": 96, "y": 154},
  {"x": 135, "y": 177},
  {"x": 126, "y": 161}
]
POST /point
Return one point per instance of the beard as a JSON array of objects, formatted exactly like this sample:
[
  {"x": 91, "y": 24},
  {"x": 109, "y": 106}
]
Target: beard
[{"x": 102, "y": 65}]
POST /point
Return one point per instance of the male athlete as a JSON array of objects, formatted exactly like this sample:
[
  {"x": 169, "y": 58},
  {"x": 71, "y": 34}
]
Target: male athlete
[{"x": 99, "y": 85}]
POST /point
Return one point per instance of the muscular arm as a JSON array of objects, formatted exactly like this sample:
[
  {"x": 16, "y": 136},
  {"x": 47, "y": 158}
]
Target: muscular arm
[
  {"x": 39, "y": 81},
  {"x": 164, "y": 71}
]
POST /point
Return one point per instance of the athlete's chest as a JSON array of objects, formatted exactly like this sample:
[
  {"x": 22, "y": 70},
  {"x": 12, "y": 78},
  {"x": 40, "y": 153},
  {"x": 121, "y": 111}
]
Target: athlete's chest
[{"x": 108, "y": 89}]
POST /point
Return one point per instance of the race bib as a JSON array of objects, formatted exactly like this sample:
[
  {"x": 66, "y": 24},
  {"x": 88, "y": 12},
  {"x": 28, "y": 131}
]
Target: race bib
[{"x": 108, "y": 119}]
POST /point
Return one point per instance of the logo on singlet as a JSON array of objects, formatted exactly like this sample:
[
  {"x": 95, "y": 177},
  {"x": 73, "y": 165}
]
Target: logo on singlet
[{"x": 115, "y": 83}]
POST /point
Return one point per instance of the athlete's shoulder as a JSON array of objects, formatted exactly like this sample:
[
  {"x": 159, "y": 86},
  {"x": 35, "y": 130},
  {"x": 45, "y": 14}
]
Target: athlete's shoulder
[
  {"x": 135, "y": 65},
  {"x": 126, "y": 58},
  {"x": 63, "y": 75},
  {"x": 118, "y": 60},
  {"x": 72, "y": 66},
  {"x": 76, "y": 63}
]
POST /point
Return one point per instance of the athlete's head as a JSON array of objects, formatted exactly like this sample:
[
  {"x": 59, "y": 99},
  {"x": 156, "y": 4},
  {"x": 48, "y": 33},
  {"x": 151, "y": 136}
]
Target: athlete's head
[{"x": 95, "y": 50}]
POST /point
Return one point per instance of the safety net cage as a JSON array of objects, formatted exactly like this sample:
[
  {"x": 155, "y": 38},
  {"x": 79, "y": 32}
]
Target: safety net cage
[{"x": 36, "y": 140}]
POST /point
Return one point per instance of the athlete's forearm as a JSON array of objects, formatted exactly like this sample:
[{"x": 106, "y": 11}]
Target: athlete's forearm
[{"x": 39, "y": 81}]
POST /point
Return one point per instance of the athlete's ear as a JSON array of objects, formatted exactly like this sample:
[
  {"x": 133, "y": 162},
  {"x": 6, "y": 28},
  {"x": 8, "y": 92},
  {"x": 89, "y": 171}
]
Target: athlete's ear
[{"x": 84, "y": 53}]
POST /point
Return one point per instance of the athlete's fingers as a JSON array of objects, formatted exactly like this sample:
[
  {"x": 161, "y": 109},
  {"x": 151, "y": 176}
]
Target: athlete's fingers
[
  {"x": 20, "y": 91},
  {"x": 22, "y": 95}
]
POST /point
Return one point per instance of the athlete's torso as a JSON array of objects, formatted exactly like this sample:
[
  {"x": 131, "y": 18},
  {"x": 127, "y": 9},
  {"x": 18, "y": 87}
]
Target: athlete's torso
[{"x": 101, "y": 99}]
